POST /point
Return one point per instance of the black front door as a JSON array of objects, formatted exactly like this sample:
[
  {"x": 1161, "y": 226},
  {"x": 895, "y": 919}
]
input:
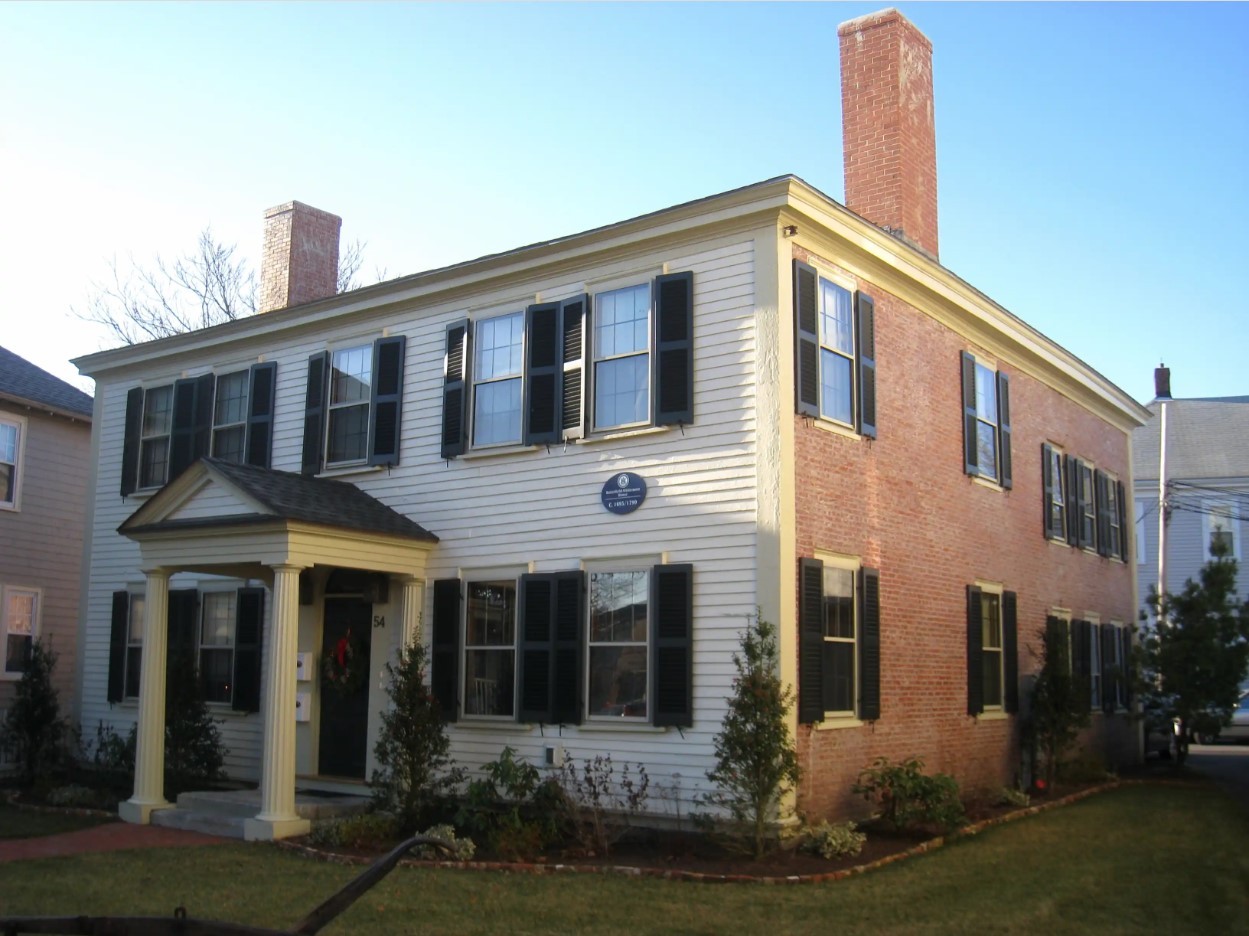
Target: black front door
[{"x": 345, "y": 714}]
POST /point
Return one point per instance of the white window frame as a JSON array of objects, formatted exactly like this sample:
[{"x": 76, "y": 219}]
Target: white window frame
[
  {"x": 1087, "y": 473},
  {"x": 135, "y": 608},
  {"x": 994, "y": 590},
  {"x": 333, "y": 408},
  {"x": 1219, "y": 516},
  {"x": 213, "y": 595},
  {"x": 1120, "y": 664},
  {"x": 18, "y": 424},
  {"x": 827, "y": 344},
  {"x": 988, "y": 371},
  {"x": 147, "y": 439},
  {"x": 240, "y": 425},
  {"x": 851, "y": 564},
  {"x": 7, "y": 593},
  {"x": 478, "y": 381},
  {"x": 600, "y": 567},
  {"x": 1058, "y": 493},
  {"x": 646, "y": 353},
  {"x": 506, "y": 575},
  {"x": 1113, "y": 528},
  {"x": 1095, "y": 662}
]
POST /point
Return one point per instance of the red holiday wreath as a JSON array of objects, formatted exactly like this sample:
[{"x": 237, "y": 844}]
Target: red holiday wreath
[{"x": 346, "y": 667}]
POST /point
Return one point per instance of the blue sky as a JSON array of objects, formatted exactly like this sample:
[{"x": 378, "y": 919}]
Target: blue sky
[{"x": 1091, "y": 157}]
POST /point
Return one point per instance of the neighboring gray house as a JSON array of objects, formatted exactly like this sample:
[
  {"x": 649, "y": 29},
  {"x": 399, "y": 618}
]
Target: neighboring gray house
[
  {"x": 45, "y": 445},
  {"x": 1207, "y": 483}
]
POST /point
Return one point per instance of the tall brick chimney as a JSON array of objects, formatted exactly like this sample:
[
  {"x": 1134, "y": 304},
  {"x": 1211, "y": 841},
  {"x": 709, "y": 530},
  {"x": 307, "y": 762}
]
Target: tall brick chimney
[
  {"x": 888, "y": 135},
  {"x": 1162, "y": 382},
  {"x": 300, "y": 262}
]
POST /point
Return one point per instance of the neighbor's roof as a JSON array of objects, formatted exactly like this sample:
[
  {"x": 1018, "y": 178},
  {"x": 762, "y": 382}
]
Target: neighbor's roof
[
  {"x": 1206, "y": 438},
  {"x": 23, "y": 382}
]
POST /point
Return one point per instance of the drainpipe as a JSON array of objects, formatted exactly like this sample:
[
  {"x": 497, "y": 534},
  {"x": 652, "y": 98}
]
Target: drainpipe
[{"x": 1162, "y": 507}]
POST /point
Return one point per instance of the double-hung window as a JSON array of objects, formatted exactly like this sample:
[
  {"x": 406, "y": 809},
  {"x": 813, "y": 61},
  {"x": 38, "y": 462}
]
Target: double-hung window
[
  {"x": 992, "y": 649},
  {"x": 497, "y": 380},
  {"x": 154, "y": 441},
  {"x": 1054, "y": 486},
  {"x": 351, "y": 384},
  {"x": 839, "y": 627},
  {"x": 490, "y": 649},
  {"x": 1221, "y": 529},
  {"x": 1095, "y": 666},
  {"x": 986, "y": 421},
  {"x": 839, "y": 641},
  {"x": 622, "y": 357},
  {"x": 134, "y": 646},
  {"x": 619, "y": 604},
  {"x": 353, "y": 406},
  {"x": 230, "y": 417},
  {"x": 19, "y": 626},
  {"x": 216, "y": 645},
  {"x": 1086, "y": 516},
  {"x": 12, "y": 428}
]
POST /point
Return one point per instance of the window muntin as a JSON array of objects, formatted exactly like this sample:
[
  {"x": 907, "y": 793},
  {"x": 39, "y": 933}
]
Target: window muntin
[
  {"x": 498, "y": 368},
  {"x": 351, "y": 386},
  {"x": 154, "y": 439},
  {"x": 134, "y": 647},
  {"x": 10, "y": 448},
  {"x": 230, "y": 417},
  {"x": 991, "y": 648},
  {"x": 618, "y": 644},
  {"x": 19, "y": 626},
  {"x": 836, "y": 352},
  {"x": 986, "y": 421},
  {"x": 216, "y": 646},
  {"x": 1088, "y": 506},
  {"x": 490, "y": 649},
  {"x": 840, "y": 636},
  {"x": 1057, "y": 507},
  {"x": 622, "y": 329}
]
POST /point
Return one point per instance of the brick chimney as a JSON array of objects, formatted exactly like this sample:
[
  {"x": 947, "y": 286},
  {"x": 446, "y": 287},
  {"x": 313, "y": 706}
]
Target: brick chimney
[
  {"x": 300, "y": 262},
  {"x": 1162, "y": 382},
  {"x": 888, "y": 136}
]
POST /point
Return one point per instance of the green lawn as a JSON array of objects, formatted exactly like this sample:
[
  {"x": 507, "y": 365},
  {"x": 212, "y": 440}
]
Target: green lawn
[
  {"x": 22, "y": 823},
  {"x": 1142, "y": 859}
]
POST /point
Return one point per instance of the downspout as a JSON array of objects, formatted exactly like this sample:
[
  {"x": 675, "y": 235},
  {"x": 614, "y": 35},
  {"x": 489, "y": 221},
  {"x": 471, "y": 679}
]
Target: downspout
[{"x": 1162, "y": 508}]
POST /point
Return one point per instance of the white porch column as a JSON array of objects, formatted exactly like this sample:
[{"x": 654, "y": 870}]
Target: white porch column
[
  {"x": 149, "y": 754},
  {"x": 277, "y": 817}
]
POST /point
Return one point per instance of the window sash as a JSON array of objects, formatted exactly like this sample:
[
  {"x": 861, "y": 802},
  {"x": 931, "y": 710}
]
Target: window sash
[
  {"x": 351, "y": 387},
  {"x": 134, "y": 647},
  {"x": 837, "y": 352},
  {"x": 841, "y": 631},
  {"x": 19, "y": 626},
  {"x": 1112, "y": 516},
  {"x": 498, "y": 379},
  {"x": 992, "y": 656},
  {"x": 10, "y": 442},
  {"x": 218, "y": 614},
  {"x": 986, "y": 421},
  {"x": 230, "y": 416},
  {"x": 622, "y": 329},
  {"x": 157, "y": 425},
  {"x": 1088, "y": 516},
  {"x": 618, "y": 649},
  {"x": 490, "y": 649},
  {"x": 1095, "y": 668},
  {"x": 1058, "y": 491}
]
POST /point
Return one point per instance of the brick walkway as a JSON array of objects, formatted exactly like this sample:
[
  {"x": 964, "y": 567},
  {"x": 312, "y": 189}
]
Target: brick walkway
[{"x": 115, "y": 836}]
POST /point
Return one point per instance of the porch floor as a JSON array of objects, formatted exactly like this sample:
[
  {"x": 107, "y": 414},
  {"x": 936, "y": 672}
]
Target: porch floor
[{"x": 222, "y": 812}]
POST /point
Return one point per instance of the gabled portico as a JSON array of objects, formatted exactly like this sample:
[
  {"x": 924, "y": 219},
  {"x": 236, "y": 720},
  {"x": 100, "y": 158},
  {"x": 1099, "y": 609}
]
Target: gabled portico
[{"x": 219, "y": 518}]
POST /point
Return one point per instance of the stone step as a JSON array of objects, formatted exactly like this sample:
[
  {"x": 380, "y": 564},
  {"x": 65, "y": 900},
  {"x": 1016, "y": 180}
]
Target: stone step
[
  {"x": 244, "y": 804},
  {"x": 207, "y": 823}
]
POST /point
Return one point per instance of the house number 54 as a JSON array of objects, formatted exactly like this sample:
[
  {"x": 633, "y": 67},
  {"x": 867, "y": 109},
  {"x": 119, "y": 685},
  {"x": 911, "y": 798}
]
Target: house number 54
[{"x": 379, "y": 620}]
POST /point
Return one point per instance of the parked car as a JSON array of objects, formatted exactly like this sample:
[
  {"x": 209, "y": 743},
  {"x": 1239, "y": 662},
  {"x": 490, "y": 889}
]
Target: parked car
[{"x": 1238, "y": 730}]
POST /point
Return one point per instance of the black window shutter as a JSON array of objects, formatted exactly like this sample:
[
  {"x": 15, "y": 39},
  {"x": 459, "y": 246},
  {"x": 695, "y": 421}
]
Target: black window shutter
[
  {"x": 869, "y": 644},
  {"x": 1123, "y": 527},
  {"x": 192, "y": 422},
  {"x": 568, "y": 628},
  {"x": 865, "y": 325},
  {"x": 386, "y": 404},
  {"x": 1003, "y": 430},
  {"x": 1010, "y": 652},
  {"x": 119, "y": 631},
  {"x": 970, "y": 449},
  {"x": 314, "y": 413},
  {"x": 672, "y": 645},
  {"x": 263, "y": 384},
  {"x": 810, "y": 641},
  {"x": 543, "y": 372},
  {"x": 130, "y": 444},
  {"x": 975, "y": 652},
  {"x": 1125, "y": 636},
  {"x": 1056, "y": 644},
  {"x": 182, "y": 618},
  {"x": 1047, "y": 491},
  {"x": 249, "y": 620},
  {"x": 674, "y": 349},
  {"x": 444, "y": 668},
  {"x": 1081, "y": 660},
  {"x": 455, "y": 390},
  {"x": 1108, "y": 637},
  {"x": 1075, "y": 517},
  {"x": 536, "y": 606},
  {"x": 574, "y": 319},
  {"x": 1103, "y": 513},
  {"x": 807, "y": 338}
]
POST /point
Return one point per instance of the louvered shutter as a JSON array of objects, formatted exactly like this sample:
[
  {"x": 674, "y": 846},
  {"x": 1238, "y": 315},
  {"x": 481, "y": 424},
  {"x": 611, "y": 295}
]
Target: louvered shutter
[
  {"x": 1056, "y": 644},
  {"x": 455, "y": 390},
  {"x": 574, "y": 318},
  {"x": 536, "y": 605},
  {"x": 1123, "y": 526},
  {"x": 1081, "y": 660},
  {"x": 1129, "y": 667},
  {"x": 249, "y": 617},
  {"x": 970, "y": 449},
  {"x": 672, "y": 645},
  {"x": 869, "y": 644},
  {"x": 130, "y": 442},
  {"x": 1073, "y": 499},
  {"x": 386, "y": 402},
  {"x": 444, "y": 666},
  {"x": 1003, "y": 430},
  {"x": 807, "y": 337},
  {"x": 568, "y": 652},
  {"x": 191, "y": 435},
  {"x": 810, "y": 641},
  {"x": 543, "y": 374},
  {"x": 1109, "y": 637},
  {"x": 1010, "y": 651},
  {"x": 1102, "y": 501},
  {"x": 975, "y": 652},
  {"x": 865, "y": 323},
  {"x": 183, "y": 615},
  {"x": 315, "y": 412},
  {"x": 674, "y": 349},
  {"x": 263, "y": 385},
  {"x": 119, "y": 631}
]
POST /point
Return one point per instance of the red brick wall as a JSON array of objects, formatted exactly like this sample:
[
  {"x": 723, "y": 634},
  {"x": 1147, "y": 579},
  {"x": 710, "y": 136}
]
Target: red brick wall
[
  {"x": 905, "y": 506},
  {"x": 888, "y": 135}
]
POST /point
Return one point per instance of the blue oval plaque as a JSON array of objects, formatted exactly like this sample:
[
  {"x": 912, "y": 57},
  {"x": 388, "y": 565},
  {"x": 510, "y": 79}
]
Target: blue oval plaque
[{"x": 624, "y": 492}]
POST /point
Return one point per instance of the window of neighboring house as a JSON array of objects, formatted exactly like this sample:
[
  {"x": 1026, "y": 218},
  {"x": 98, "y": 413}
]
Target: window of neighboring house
[
  {"x": 11, "y": 431},
  {"x": 490, "y": 649},
  {"x": 230, "y": 417},
  {"x": 497, "y": 379},
  {"x": 991, "y": 648},
  {"x": 986, "y": 421},
  {"x": 154, "y": 440},
  {"x": 619, "y": 604},
  {"x": 20, "y": 626},
  {"x": 1054, "y": 479},
  {"x": 622, "y": 359},
  {"x": 134, "y": 647},
  {"x": 1222, "y": 528},
  {"x": 216, "y": 646},
  {"x": 351, "y": 385},
  {"x": 1088, "y": 506}
]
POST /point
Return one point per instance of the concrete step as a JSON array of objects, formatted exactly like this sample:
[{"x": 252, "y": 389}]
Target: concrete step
[
  {"x": 209, "y": 824},
  {"x": 243, "y": 804}
]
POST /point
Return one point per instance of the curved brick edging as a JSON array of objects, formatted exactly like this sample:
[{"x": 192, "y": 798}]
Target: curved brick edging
[{"x": 666, "y": 874}]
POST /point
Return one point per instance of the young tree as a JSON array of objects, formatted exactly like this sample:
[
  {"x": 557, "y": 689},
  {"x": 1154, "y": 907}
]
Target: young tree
[
  {"x": 756, "y": 763},
  {"x": 1060, "y": 705},
  {"x": 34, "y": 729},
  {"x": 1192, "y": 663},
  {"x": 193, "y": 748}
]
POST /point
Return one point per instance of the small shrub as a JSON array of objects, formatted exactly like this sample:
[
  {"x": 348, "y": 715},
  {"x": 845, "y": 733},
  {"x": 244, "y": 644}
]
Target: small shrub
[
  {"x": 74, "y": 796},
  {"x": 909, "y": 799},
  {"x": 834, "y": 841},
  {"x": 600, "y": 808},
  {"x": 1084, "y": 768},
  {"x": 111, "y": 751},
  {"x": 194, "y": 753},
  {"x": 1009, "y": 796},
  {"x": 512, "y": 807},
  {"x": 462, "y": 849},
  {"x": 34, "y": 730},
  {"x": 367, "y": 830}
]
